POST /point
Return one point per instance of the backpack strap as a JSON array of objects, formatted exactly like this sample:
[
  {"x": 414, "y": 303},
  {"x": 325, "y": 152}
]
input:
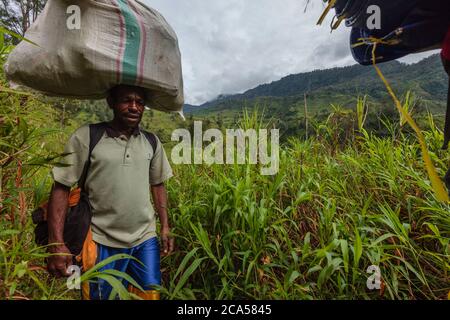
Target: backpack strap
[
  {"x": 96, "y": 132},
  {"x": 152, "y": 139}
]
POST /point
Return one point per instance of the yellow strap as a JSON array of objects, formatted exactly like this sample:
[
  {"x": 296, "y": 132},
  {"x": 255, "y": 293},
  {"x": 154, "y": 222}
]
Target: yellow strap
[
  {"x": 436, "y": 182},
  {"x": 88, "y": 257},
  {"x": 145, "y": 295},
  {"x": 331, "y": 3}
]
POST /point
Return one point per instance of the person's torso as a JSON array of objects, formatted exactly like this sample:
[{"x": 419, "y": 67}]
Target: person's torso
[{"x": 119, "y": 191}]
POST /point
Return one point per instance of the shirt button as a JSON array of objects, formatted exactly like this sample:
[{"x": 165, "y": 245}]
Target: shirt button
[{"x": 128, "y": 155}]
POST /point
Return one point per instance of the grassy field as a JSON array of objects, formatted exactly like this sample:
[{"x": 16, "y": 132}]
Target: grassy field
[
  {"x": 341, "y": 202},
  {"x": 311, "y": 231}
]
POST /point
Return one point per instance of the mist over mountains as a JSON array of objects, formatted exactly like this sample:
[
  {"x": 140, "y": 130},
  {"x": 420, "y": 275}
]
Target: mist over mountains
[{"x": 426, "y": 79}]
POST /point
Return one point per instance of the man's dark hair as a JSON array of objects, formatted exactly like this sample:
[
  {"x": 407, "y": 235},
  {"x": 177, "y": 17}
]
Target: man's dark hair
[{"x": 112, "y": 93}]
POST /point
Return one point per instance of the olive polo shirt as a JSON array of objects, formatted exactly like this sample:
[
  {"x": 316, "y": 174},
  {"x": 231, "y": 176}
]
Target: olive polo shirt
[{"x": 118, "y": 183}]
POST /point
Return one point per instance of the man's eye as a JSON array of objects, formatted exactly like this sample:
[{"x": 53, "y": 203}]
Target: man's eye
[{"x": 128, "y": 101}]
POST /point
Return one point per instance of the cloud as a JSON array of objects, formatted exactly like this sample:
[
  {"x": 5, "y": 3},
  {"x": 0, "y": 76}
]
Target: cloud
[{"x": 229, "y": 46}]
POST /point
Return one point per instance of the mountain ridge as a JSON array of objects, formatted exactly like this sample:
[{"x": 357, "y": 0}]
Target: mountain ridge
[{"x": 425, "y": 78}]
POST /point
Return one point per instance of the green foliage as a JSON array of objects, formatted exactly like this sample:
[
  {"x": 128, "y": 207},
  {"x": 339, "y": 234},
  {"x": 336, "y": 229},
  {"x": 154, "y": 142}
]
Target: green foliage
[
  {"x": 337, "y": 205},
  {"x": 311, "y": 231},
  {"x": 343, "y": 199}
]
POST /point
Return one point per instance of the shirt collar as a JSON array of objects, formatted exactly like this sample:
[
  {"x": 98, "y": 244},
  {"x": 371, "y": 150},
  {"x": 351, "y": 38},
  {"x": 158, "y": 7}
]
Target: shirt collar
[{"x": 113, "y": 133}]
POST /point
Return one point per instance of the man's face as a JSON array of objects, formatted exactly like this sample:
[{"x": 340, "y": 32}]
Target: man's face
[{"x": 129, "y": 106}]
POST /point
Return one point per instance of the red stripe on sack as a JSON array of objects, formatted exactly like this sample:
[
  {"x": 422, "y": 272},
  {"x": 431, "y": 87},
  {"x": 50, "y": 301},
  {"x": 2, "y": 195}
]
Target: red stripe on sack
[
  {"x": 446, "y": 46},
  {"x": 143, "y": 43}
]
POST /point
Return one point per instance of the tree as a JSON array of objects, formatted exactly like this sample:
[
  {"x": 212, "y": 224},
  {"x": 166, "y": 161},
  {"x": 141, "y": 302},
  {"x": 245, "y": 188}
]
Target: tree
[{"x": 18, "y": 15}]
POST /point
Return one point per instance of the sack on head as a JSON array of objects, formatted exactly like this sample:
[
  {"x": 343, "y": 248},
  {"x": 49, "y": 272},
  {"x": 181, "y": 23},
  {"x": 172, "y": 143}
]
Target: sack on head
[{"x": 112, "y": 42}]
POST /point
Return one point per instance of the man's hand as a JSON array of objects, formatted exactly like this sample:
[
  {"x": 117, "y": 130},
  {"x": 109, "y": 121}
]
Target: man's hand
[
  {"x": 59, "y": 261},
  {"x": 167, "y": 241},
  {"x": 159, "y": 196}
]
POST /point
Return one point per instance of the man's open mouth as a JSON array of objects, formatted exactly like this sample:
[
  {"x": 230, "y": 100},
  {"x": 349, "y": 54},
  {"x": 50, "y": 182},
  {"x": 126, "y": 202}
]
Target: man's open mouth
[{"x": 132, "y": 116}]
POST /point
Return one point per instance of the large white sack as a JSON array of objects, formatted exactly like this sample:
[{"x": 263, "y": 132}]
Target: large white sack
[{"x": 119, "y": 41}]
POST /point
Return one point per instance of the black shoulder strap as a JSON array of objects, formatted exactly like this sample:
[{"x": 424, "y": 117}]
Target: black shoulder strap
[
  {"x": 152, "y": 139},
  {"x": 95, "y": 134}
]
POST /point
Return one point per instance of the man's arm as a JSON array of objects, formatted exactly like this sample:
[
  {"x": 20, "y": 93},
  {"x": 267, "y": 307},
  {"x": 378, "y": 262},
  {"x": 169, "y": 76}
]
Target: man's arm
[
  {"x": 159, "y": 195},
  {"x": 56, "y": 216}
]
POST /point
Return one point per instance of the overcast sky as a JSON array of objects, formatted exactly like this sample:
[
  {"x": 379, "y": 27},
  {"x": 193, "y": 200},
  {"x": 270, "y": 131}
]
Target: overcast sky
[{"x": 230, "y": 46}]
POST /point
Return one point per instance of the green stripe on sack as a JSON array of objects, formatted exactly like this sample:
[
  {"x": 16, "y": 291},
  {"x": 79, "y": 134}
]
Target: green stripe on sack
[{"x": 132, "y": 44}]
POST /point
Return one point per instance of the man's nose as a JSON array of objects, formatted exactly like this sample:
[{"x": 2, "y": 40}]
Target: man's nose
[{"x": 133, "y": 106}]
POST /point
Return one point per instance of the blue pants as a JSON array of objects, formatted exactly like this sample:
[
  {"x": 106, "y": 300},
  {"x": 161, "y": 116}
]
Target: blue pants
[{"x": 146, "y": 275}]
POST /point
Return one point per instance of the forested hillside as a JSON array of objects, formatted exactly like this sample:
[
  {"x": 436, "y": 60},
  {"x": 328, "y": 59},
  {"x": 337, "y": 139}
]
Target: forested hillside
[
  {"x": 426, "y": 78},
  {"x": 338, "y": 89}
]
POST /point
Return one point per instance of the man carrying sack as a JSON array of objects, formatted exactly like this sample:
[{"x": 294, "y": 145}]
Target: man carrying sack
[
  {"x": 122, "y": 166},
  {"x": 126, "y": 52}
]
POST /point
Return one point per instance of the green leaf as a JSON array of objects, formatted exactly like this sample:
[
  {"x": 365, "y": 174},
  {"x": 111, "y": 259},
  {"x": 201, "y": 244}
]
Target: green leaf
[
  {"x": 314, "y": 269},
  {"x": 12, "y": 289},
  {"x": 9, "y": 232},
  {"x": 294, "y": 256},
  {"x": 294, "y": 275},
  {"x": 86, "y": 275},
  {"x": 117, "y": 286},
  {"x": 382, "y": 238},
  {"x": 20, "y": 269},
  {"x": 187, "y": 274},
  {"x": 344, "y": 249},
  {"x": 2, "y": 41},
  {"x": 185, "y": 260},
  {"x": 306, "y": 246},
  {"x": 125, "y": 276},
  {"x": 23, "y": 93},
  {"x": 324, "y": 275},
  {"x": 202, "y": 236},
  {"x": 3, "y": 30},
  {"x": 357, "y": 252}
]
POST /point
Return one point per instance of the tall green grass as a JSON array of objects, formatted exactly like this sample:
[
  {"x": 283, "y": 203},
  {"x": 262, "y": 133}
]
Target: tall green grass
[
  {"x": 308, "y": 232},
  {"x": 342, "y": 200},
  {"x": 311, "y": 231}
]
